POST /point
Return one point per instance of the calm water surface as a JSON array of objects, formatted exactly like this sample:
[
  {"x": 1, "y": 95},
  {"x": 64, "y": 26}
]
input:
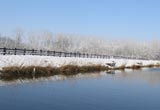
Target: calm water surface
[{"x": 126, "y": 90}]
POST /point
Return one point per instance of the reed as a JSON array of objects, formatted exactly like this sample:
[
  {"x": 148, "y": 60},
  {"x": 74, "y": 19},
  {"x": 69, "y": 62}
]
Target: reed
[
  {"x": 30, "y": 72},
  {"x": 150, "y": 66},
  {"x": 122, "y": 67}
]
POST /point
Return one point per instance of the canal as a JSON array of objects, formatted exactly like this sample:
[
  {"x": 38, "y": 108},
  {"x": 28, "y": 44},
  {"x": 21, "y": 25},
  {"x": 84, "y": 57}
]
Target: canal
[{"x": 119, "y": 90}]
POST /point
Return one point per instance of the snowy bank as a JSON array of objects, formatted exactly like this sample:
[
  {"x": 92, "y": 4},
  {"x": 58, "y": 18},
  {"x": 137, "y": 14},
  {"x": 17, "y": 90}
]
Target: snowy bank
[{"x": 30, "y": 60}]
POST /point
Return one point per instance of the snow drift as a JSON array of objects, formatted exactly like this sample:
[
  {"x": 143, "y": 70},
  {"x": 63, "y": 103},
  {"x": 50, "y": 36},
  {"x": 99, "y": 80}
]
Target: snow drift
[{"x": 29, "y": 60}]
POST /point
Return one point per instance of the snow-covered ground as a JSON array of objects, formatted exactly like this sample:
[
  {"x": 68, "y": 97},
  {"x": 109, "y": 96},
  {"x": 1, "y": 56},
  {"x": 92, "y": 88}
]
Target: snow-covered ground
[{"x": 29, "y": 60}]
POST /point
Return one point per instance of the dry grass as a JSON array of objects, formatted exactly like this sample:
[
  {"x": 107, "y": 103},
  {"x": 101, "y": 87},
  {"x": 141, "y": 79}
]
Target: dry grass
[
  {"x": 134, "y": 67},
  {"x": 68, "y": 69},
  {"x": 149, "y": 66},
  {"x": 122, "y": 67},
  {"x": 29, "y": 72},
  {"x": 157, "y": 65}
]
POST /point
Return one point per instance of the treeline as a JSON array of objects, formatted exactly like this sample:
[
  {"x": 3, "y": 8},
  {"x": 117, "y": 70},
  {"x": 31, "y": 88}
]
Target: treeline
[{"x": 84, "y": 44}]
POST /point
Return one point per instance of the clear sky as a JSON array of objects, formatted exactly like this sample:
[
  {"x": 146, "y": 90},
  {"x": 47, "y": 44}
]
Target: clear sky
[{"x": 139, "y": 19}]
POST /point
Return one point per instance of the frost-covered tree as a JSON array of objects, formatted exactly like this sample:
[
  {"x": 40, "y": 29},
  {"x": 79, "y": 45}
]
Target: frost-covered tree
[
  {"x": 62, "y": 42},
  {"x": 85, "y": 44},
  {"x": 18, "y": 33}
]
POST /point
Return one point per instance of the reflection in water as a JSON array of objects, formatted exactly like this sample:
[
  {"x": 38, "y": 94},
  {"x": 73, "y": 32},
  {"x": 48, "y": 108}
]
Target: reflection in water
[
  {"x": 110, "y": 72},
  {"x": 116, "y": 90},
  {"x": 54, "y": 78},
  {"x": 151, "y": 76}
]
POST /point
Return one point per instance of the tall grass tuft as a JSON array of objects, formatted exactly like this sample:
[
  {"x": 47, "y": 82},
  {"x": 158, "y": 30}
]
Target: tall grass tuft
[{"x": 122, "y": 67}]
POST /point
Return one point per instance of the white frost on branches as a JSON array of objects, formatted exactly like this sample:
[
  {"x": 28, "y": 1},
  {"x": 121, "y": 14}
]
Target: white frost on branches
[{"x": 76, "y": 43}]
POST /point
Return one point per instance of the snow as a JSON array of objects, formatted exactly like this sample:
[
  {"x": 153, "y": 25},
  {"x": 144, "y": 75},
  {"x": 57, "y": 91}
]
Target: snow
[{"x": 30, "y": 60}]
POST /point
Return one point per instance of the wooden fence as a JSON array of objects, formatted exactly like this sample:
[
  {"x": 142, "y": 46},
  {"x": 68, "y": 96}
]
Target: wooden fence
[{"x": 16, "y": 51}]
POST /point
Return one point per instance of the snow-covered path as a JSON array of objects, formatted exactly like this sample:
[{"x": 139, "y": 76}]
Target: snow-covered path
[{"x": 29, "y": 60}]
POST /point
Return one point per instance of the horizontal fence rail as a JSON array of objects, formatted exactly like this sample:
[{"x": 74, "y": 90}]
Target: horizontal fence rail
[{"x": 17, "y": 51}]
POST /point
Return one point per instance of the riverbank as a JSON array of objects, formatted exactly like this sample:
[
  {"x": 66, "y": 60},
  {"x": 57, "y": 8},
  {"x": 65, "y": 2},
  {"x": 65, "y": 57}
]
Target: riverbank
[
  {"x": 44, "y": 61},
  {"x": 14, "y": 67},
  {"x": 30, "y": 72}
]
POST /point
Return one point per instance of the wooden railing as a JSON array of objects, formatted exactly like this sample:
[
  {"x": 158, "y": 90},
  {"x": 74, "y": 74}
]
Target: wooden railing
[{"x": 17, "y": 51}]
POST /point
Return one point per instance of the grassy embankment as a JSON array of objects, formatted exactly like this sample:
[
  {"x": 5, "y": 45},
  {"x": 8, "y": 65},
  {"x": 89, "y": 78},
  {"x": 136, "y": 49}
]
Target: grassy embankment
[{"x": 29, "y": 72}]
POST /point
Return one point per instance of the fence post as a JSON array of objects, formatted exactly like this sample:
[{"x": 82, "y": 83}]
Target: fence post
[
  {"x": 65, "y": 54},
  {"x": 48, "y": 53},
  {"x": 24, "y": 52},
  {"x": 53, "y": 53},
  {"x": 4, "y": 51},
  {"x": 15, "y": 51},
  {"x": 87, "y": 55},
  {"x": 60, "y": 54},
  {"x": 40, "y": 52},
  {"x": 32, "y": 51}
]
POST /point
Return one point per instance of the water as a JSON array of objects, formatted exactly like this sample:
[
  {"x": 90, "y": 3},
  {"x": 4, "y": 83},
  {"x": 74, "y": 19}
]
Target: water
[{"x": 130, "y": 90}]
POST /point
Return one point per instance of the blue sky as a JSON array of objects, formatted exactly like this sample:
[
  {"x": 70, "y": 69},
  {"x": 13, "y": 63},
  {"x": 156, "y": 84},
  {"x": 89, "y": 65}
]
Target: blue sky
[{"x": 117, "y": 19}]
